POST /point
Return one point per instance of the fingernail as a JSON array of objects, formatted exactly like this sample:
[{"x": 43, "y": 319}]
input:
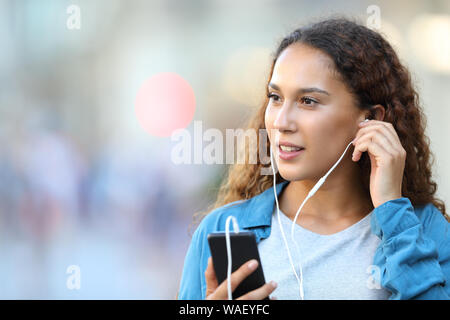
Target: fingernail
[
  {"x": 273, "y": 284},
  {"x": 253, "y": 264}
]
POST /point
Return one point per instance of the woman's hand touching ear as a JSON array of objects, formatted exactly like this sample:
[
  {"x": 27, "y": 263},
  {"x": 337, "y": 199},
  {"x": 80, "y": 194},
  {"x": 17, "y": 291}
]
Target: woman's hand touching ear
[{"x": 387, "y": 158}]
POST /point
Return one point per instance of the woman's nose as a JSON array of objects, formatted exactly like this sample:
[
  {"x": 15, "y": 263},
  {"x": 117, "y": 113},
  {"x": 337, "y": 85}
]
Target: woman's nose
[{"x": 284, "y": 119}]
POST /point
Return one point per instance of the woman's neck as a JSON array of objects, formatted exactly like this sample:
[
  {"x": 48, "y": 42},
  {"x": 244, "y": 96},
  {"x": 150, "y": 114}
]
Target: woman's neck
[{"x": 336, "y": 199}]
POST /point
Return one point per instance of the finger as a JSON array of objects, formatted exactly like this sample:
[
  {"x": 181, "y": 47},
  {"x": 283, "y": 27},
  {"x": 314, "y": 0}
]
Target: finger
[
  {"x": 260, "y": 293},
  {"x": 210, "y": 277},
  {"x": 383, "y": 128},
  {"x": 392, "y": 133},
  {"x": 391, "y": 129},
  {"x": 237, "y": 277},
  {"x": 377, "y": 137},
  {"x": 398, "y": 145},
  {"x": 374, "y": 148}
]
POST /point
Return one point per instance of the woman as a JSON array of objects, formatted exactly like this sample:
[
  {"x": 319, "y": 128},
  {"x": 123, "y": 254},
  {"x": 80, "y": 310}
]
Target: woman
[{"x": 374, "y": 229}]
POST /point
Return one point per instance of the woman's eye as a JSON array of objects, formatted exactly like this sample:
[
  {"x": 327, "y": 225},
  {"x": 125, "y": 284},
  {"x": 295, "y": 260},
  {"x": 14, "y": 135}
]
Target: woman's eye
[
  {"x": 270, "y": 96},
  {"x": 304, "y": 100},
  {"x": 308, "y": 101}
]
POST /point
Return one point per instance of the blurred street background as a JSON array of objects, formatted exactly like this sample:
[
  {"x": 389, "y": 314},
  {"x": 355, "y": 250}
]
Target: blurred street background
[{"x": 83, "y": 184}]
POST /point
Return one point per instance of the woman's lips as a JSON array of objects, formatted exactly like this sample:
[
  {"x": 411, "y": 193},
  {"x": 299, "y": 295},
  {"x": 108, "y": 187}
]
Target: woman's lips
[{"x": 288, "y": 155}]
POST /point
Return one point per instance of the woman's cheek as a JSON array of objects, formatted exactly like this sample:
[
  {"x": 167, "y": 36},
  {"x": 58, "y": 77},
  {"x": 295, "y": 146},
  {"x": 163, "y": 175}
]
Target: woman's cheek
[{"x": 268, "y": 120}]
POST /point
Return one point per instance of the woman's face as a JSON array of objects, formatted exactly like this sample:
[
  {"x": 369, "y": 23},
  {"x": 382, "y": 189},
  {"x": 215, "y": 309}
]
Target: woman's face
[{"x": 309, "y": 107}]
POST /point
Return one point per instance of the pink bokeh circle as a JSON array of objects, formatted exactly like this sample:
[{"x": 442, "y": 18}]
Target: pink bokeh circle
[{"x": 164, "y": 103}]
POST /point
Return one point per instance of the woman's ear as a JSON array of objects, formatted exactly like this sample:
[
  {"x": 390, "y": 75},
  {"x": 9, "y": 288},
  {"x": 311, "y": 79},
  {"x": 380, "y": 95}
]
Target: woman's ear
[{"x": 376, "y": 112}]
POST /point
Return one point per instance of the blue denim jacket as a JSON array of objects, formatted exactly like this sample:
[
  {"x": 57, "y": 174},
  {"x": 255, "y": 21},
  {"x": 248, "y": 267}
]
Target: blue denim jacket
[{"x": 413, "y": 255}]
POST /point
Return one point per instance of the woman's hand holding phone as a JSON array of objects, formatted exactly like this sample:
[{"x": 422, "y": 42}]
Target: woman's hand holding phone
[{"x": 214, "y": 291}]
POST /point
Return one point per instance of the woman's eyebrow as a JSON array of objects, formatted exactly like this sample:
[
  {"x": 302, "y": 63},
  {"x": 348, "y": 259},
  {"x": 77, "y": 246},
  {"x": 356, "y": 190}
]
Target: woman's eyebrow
[{"x": 301, "y": 90}]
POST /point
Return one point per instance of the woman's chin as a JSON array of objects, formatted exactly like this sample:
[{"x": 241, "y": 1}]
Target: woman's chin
[{"x": 291, "y": 175}]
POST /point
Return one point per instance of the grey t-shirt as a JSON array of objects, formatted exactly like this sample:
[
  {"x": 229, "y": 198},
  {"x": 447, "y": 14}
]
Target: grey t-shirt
[{"x": 336, "y": 266}]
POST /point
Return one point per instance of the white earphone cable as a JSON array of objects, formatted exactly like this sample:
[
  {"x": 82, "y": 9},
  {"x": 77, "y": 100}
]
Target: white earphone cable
[
  {"x": 310, "y": 194},
  {"x": 228, "y": 244},
  {"x": 236, "y": 227},
  {"x": 299, "y": 279}
]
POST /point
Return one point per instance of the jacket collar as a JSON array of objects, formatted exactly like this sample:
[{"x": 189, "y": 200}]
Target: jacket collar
[{"x": 259, "y": 209}]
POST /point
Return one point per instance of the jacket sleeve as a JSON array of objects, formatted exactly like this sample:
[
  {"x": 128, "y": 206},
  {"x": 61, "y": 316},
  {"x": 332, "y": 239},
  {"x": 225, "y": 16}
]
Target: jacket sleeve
[
  {"x": 190, "y": 286},
  {"x": 414, "y": 254}
]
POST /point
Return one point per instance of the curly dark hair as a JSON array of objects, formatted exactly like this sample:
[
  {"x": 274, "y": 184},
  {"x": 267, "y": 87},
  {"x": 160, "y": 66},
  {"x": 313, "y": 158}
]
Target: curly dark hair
[{"x": 369, "y": 66}]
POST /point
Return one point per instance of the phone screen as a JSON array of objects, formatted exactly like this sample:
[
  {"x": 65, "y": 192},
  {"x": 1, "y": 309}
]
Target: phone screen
[{"x": 243, "y": 249}]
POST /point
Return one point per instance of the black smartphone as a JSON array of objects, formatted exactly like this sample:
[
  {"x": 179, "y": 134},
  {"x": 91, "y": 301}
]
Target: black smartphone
[{"x": 243, "y": 248}]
